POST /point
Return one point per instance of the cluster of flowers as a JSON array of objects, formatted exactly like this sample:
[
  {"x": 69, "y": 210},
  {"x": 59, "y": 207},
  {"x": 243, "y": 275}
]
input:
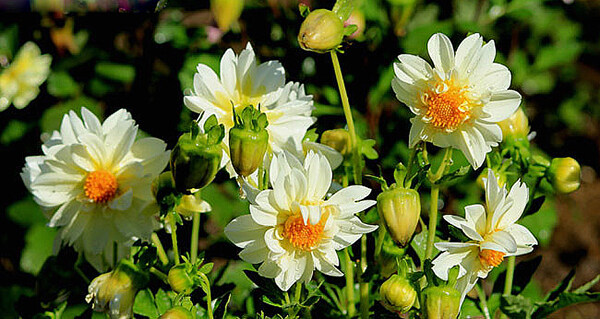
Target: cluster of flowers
[{"x": 95, "y": 179}]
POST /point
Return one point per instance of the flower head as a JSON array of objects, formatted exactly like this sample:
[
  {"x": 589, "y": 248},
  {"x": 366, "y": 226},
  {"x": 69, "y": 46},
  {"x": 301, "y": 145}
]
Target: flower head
[
  {"x": 458, "y": 102},
  {"x": 243, "y": 82},
  {"x": 493, "y": 235},
  {"x": 94, "y": 180},
  {"x": 19, "y": 83},
  {"x": 293, "y": 229}
]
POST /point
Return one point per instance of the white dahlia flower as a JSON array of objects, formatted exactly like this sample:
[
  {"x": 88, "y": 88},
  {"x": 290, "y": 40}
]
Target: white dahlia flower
[
  {"x": 493, "y": 235},
  {"x": 293, "y": 229},
  {"x": 243, "y": 82},
  {"x": 94, "y": 182},
  {"x": 459, "y": 101}
]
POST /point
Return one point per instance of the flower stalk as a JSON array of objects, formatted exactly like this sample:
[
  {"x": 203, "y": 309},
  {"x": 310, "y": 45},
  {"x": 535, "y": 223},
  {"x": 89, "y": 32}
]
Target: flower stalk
[{"x": 433, "y": 211}]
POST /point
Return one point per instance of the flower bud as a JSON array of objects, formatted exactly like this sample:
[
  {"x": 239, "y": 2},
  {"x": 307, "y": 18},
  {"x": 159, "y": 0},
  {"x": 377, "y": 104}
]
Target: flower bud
[
  {"x": 114, "y": 292},
  {"x": 182, "y": 279},
  {"x": 248, "y": 140},
  {"x": 399, "y": 208},
  {"x": 226, "y": 12},
  {"x": 441, "y": 302},
  {"x": 177, "y": 312},
  {"x": 517, "y": 125},
  {"x": 321, "y": 31},
  {"x": 190, "y": 204},
  {"x": 338, "y": 139},
  {"x": 564, "y": 174},
  {"x": 397, "y": 294},
  {"x": 196, "y": 158}
]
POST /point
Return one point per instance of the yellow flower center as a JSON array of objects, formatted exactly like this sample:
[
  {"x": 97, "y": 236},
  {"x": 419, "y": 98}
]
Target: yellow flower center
[
  {"x": 447, "y": 105},
  {"x": 303, "y": 236},
  {"x": 491, "y": 258},
  {"x": 100, "y": 186}
]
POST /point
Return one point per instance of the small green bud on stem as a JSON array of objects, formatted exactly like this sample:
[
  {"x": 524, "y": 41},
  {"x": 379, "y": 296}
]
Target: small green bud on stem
[
  {"x": 564, "y": 174},
  {"x": 321, "y": 31},
  {"x": 399, "y": 208},
  {"x": 248, "y": 140}
]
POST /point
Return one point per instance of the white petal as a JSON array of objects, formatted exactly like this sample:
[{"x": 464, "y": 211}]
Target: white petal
[
  {"x": 502, "y": 105},
  {"x": 500, "y": 241},
  {"x": 412, "y": 68},
  {"x": 263, "y": 217},
  {"x": 467, "y": 51},
  {"x": 522, "y": 235},
  {"x": 441, "y": 52},
  {"x": 243, "y": 230}
]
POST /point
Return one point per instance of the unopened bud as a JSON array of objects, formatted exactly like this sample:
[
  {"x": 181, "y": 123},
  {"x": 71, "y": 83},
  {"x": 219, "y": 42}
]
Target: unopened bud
[
  {"x": 196, "y": 158},
  {"x": 226, "y": 12},
  {"x": 248, "y": 140},
  {"x": 177, "y": 312},
  {"x": 397, "y": 294},
  {"x": 182, "y": 280},
  {"x": 338, "y": 139},
  {"x": 564, "y": 174},
  {"x": 516, "y": 126},
  {"x": 441, "y": 302},
  {"x": 321, "y": 31},
  {"x": 399, "y": 208}
]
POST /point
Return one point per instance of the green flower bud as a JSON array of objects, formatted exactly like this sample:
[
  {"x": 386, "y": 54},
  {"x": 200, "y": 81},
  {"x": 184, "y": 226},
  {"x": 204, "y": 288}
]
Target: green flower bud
[
  {"x": 163, "y": 185},
  {"x": 114, "y": 292},
  {"x": 248, "y": 140},
  {"x": 182, "y": 279},
  {"x": 399, "y": 208},
  {"x": 196, "y": 158},
  {"x": 397, "y": 294},
  {"x": 564, "y": 174},
  {"x": 338, "y": 139},
  {"x": 226, "y": 12},
  {"x": 441, "y": 302},
  {"x": 177, "y": 312},
  {"x": 516, "y": 126},
  {"x": 321, "y": 31}
]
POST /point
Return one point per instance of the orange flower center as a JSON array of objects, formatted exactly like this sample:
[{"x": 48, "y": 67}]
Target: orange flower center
[
  {"x": 491, "y": 258},
  {"x": 447, "y": 105},
  {"x": 303, "y": 236},
  {"x": 100, "y": 186}
]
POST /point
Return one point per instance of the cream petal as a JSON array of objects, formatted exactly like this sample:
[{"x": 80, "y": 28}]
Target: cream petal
[
  {"x": 519, "y": 195},
  {"x": 263, "y": 217},
  {"x": 310, "y": 214},
  {"x": 476, "y": 216},
  {"x": 325, "y": 267},
  {"x": 406, "y": 93},
  {"x": 466, "y": 53},
  {"x": 97, "y": 237},
  {"x": 416, "y": 131},
  {"x": 122, "y": 202},
  {"x": 441, "y": 52},
  {"x": 412, "y": 68},
  {"x": 95, "y": 147},
  {"x": 91, "y": 122},
  {"x": 228, "y": 71},
  {"x": 272, "y": 242},
  {"x": 119, "y": 142},
  {"x": 267, "y": 77},
  {"x": 491, "y": 132},
  {"x": 351, "y": 193},
  {"x": 497, "y": 78},
  {"x": 318, "y": 175},
  {"x": 502, "y": 105},
  {"x": 64, "y": 214},
  {"x": 473, "y": 146},
  {"x": 484, "y": 61},
  {"x": 334, "y": 157},
  {"x": 269, "y": 269},
  {"x": 522, "y": 235},
  {"x": 115, "y": 119},
  {"x": 500, "y": 241},
  {"x": 243, "y": 230},
  {"x": 256, "y": 252}
]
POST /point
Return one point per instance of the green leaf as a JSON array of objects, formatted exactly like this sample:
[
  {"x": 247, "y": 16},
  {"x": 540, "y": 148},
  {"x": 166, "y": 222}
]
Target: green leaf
[
  {"x": 26, "y": 213},
  {"x": 61, "y": 85},
  {"x": 454, "y": 176},
  {"x": 270, "y": 302},
  {"x": 13, "y": 131},
  {"x": 163, "y": 301},
  {"x": 587, "y": 286},
  {"x": 563, "y": 300},
  {"x": 38, "y": 247},
  {"x": 419, "y": 244},
  {"x": 542, "y": 223},
  {"x": 206, "y": 268},
  {"x": 366, "y": 148},
  {"x": 52, "y": 116},
  {"x": 516, "y": 307},
  {"x": 563, "y": 286},
  {"x": 144, "y": 304},
  {"x": 123, "y": 73},
  {"x": 311, "y": 301},
  {"x": 349, "y": 30},
  {"x": 304, "y": 10},
  {"x": 343, "y": 9},
  {"x": 534, "y": 206}
]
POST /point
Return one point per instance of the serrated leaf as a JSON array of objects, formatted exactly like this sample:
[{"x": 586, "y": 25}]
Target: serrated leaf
[
  {"x": 144, "y": 304},
  {"x": 563, "y": 300},
  {"x": 516, "y": 307}
]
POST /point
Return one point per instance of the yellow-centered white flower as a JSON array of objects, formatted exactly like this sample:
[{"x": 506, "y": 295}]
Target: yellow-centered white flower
[
  {"x": 19, "y": 83},
  {"x": 94, "y": 182},
  {"x": 459, "y": 101},
  {"x": 243, "y": 82},
  {"x": 293, "y": 229},
  {"x": 493, "y": 235}
]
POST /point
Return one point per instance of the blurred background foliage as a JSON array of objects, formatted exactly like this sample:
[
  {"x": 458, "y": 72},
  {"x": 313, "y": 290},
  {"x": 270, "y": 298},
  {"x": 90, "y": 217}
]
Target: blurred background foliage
[{"x": 109, "y": 55}]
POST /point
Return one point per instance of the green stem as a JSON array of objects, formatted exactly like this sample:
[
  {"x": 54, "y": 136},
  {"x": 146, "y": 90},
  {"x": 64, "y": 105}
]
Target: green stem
[
  {"x": 435, "y": 192},
  {"x": 349, "y": 273},
  {"x": 194, "y": 239},
  {"x": 483, "y": 301},
  {"x": 160, "y": 250},
  {"x": 209, "y": 309},
  {"x": 348, "y": 114},
  {"x": 173, "y": 225},
  {"x": 298, "y": 292},
  {"x": 115, "y": 254},
  {"x": 510, "y": 271},
  {"x": 159, "y": 274},
  {"x": 380, "y": 239},
  {"x": 78, "y": 263},
  {"x": 364, "y": 285},
  {"x": 433, "y": 213}
]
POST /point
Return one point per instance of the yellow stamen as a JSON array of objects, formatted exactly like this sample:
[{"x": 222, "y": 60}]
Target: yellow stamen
[
  {"x": 100, "y": 186},
  {"x": 491, "y": 258},
  {"x": 303, "y": 236},
  {"x": 447, "y": 105}
]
